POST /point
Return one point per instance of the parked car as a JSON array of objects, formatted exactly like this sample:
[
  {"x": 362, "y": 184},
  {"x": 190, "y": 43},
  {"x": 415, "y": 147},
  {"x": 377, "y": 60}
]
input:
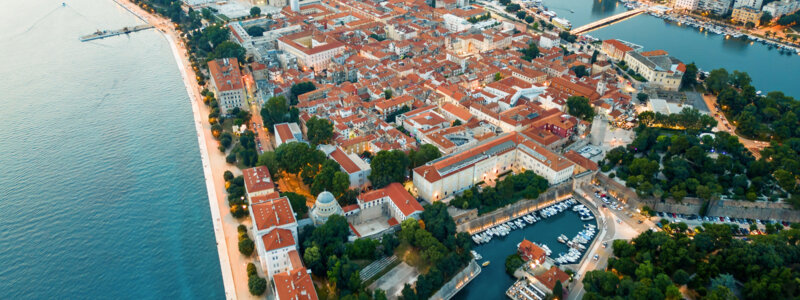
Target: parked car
[{"x": 596, "y": 257}]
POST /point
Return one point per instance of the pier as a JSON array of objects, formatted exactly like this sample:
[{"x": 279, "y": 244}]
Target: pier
[
  {"x": 109, "y": 33},
  {"x": 606, "y": 21}
]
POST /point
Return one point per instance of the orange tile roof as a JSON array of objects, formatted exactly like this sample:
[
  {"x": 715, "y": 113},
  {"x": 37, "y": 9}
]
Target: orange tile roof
[
  {"x": 277, "y": 239},
  {"x": 397, "y": 194},
  {"x": 654, "y": 53},
  {"x": 295, "y": 285},
  {"x": 225, "y": 73},
  {"x": 457, "y": 110},
  {"x": 257, "y": 179},
  {"x": 618, "y": 45},
  {"x": 530, "y": 251},
  {"x": 273, "y": 213},
  {"x": 295, "y": 259},
  {"x": 347, "y": 164},
  {"x": 283, "y": 131},
  {"x": 581, "y": 160},
  {"x": 550, "y": 277}
]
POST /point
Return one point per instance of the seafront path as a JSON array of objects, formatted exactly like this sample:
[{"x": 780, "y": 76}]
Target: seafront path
[{"x": 232, "y": 263}]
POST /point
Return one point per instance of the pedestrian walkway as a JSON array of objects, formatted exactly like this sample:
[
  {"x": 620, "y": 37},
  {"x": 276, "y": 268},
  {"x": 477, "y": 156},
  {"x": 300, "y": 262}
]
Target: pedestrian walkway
[{"x": 376, "y": 267}]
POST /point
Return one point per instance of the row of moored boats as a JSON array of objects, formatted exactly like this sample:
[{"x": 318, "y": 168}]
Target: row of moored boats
[
  {"x": 520, "y": 222},
  {"x": 576, "y": 245}
]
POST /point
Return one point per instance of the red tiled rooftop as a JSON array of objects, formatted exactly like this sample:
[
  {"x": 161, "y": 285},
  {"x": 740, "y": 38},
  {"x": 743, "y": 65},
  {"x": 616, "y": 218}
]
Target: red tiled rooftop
[
  {"x": 550, "y": 277},
  {"x": 347, "y": 164},
  {"x": 397, "y": 194},
  {"x": 581, "y": 160},
  {"x": 257, "y": 179},
  {"x": 278, "y": 238},
  {"x": 272, "y": 213},
  {"x": 225, "y": 73},
  {"x": 295, "y": 284}
]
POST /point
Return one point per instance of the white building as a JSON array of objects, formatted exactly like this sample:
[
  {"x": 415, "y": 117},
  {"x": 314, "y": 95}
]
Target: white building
[
  {"x": 718, "y": 7},
  {"x": 452, "y": 174},
  {"x": 258, "y": 182},
  {"x": 356, "y": 168},
  {"x": 455, "y": 23},
  {"x": 748, "y": 3},
  {"x": 312, "y": 49},
  {"x": 325, "y": 207},
  {"x": 781, "y": 7},
  {"x": 226, "y": 83},
  {"x": 399, "y": 203},
  {"x": 287, "y": 133},
  {"x": 275, "y": 232},
  {"x": 687, "y": 4}
]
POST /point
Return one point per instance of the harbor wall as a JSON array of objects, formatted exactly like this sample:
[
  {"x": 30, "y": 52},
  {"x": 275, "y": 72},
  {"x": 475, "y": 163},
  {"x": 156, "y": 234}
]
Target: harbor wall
[
  {"x": 460, "y": 280},
  {"x": 763, "y": 210},
  {"x": 553, "y": 194}
]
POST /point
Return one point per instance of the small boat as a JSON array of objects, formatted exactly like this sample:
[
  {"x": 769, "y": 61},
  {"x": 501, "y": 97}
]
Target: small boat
[{"x": 486, "y": 263}]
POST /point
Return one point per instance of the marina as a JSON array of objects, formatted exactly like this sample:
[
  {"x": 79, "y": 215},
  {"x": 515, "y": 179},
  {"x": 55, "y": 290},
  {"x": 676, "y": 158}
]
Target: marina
[
  {"x": 705, "y": 48},
  {"x": 543, "y": 227}
]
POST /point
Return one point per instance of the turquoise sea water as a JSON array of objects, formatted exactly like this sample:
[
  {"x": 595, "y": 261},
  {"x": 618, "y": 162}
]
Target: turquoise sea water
[{"x": 101, "y": 185}]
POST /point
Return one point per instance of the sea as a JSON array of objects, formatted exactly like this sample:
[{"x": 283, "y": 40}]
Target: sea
[{"x": 102, "y": 194}]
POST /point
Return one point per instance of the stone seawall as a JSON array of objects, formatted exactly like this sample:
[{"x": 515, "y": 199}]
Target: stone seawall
[
  {"x": 731, "y": 208},
  {"x": 459, "y": 281},
  {"x": 554, "y": 193}
]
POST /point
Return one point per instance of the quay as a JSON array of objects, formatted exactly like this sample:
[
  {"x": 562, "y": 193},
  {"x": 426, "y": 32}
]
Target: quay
[
  {"x": 606, "y": 21},
  {"x": 109, "y": 33}
]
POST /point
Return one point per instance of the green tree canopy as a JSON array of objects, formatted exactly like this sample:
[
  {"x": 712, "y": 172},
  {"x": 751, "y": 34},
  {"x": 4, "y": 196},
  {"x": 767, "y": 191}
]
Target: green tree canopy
[
  {"x": 388, "y": 167},
  {"x": 319, "y": 131},
  {"x": 580, "y": 107}
]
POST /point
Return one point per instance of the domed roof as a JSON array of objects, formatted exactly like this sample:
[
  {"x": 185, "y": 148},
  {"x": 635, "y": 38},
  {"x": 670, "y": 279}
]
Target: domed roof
[{"x": 325, "y": 198}]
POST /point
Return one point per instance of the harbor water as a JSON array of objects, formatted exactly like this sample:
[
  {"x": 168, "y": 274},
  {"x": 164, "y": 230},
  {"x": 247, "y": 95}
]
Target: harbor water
[
  {"x": 101, "y": 185},
  {"x": 770, "y": 70},
  {"x": 493, "y": 280}
]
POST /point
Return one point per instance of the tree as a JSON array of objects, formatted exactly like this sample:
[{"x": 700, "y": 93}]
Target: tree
[
  {"x": 246, "y": 246},
  {"x": 277, "y": 111},
  {"x": 579, "y": 107},
  {"x": 717, "y": 80},
  {"x": 422, "y": 156},
  {"x": 228, "y": 49},
  {"x": 319, "y": 131},
  {"x": 498, "y": 76},
  {"x": 255, "y": 11},
  {"x": 521, "y": 15},
  {"x": 387, "y": 94},
  {"x": 680, "y": 277},
  {"x": 531, "y": 19},
  {"x": 580, "y": 71},
  {"x": 299, "y": 89},
  {"x": 313, "y": 260},
  {"x": 766, "y": 18},
  {"x": 408, "y": 293},
  {"x": 255, "y": 31},
  {"x": 251, "y": 270},
  {"x": 513, "y": 262},
  {"x": 689, "y": 78},
  {"x": 388, "y": 167},
  {"x": 298, "y": 203},
  {"x": 642, "y": 97},
  {"x": 530, "y": 53},
  {"x": 257, "y": 285},
  {"x": 558, "y": 290}
]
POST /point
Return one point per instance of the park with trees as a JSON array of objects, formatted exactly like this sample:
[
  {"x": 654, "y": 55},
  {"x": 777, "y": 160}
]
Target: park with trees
[
  {"x": 434, "y": 248},
  {"x": 711, "y": 265},
  {"x": 662, "y": 163}
]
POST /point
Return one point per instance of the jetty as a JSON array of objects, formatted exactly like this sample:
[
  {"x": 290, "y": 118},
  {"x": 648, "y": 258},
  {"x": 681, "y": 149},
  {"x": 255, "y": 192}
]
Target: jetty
[
  {"x": 607, "y": 21},
  {"x": 101, "y": 34}
]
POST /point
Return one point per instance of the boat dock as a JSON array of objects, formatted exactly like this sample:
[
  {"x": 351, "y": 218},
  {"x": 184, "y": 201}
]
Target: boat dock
[{"x": 109, "y": 33}]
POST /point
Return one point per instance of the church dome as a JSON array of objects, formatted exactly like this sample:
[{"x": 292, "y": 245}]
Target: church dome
[{"x": 325, "y": 198}]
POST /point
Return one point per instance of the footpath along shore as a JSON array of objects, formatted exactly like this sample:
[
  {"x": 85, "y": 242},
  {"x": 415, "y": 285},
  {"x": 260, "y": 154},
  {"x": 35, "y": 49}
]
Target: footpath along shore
[{"x": 232, "y": 263}]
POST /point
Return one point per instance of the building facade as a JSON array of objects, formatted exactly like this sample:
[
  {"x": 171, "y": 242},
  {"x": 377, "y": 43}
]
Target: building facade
[
  {"x": 746, "y": 15},
  {"x": 452, "y": 174},
  {"x": 226, "y": 83},
  {"x": 313, "y": 49}
]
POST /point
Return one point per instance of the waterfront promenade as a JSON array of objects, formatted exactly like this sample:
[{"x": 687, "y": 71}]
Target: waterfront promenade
[{"x": 232, "y": 263}]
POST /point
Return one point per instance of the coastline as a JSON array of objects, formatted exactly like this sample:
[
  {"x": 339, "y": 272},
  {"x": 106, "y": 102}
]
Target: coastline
[
  {"x": 213, "y": 201},
  {"x": 232, "y": 263}
]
